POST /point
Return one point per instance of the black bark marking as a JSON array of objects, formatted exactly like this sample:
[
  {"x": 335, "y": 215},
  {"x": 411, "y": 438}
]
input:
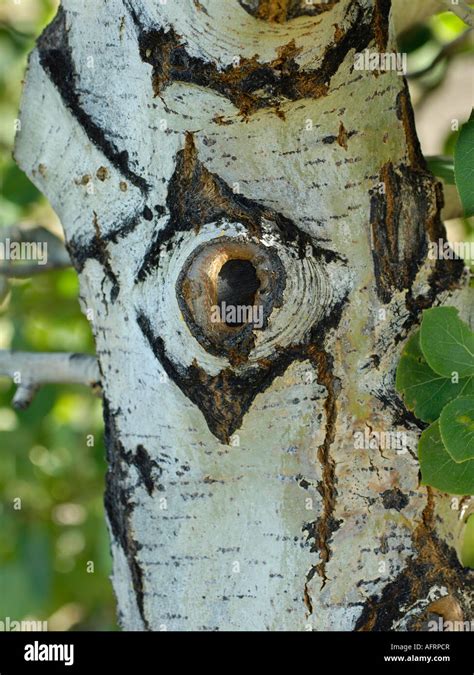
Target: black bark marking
[
  {"x": 56, "y": 59},
  {"x": 145, "y": 466},
  {"x": 400, "y": 415},
  {"x": 252, "y": 85},
  {"x": 119, "y": 503},
  {"x": 413, "y": 583},
  {"x": 224, "y": 399},
  {"x": 95, "y": 249},
  {"x": 147, "y": 213},
  {"x": 197, "y": 197},
  {"x": 447, "y": 275},
  {"x": 128, "y": 226}
]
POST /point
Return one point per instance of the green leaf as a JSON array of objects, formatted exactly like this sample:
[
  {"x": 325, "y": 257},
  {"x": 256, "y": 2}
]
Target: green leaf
[
  {"x": 439, "y": 470},
  {"x": 447, "y": 342},
  {"x": 467, "y": 545},
  {"x": 425, "y": 392},
  {"x": 443, "y": 167},
  {"x": 464, "y": 165},
  {"x": 456, "y": 424}
]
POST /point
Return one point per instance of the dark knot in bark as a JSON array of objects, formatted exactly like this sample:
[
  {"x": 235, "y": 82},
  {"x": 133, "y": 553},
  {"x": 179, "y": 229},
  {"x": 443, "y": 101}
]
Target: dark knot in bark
[{"x": 227, "y": 290}]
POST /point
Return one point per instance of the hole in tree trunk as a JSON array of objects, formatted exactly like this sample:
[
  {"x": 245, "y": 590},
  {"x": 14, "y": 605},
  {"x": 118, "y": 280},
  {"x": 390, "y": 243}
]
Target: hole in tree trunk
[{"x": 237, "y": 284}]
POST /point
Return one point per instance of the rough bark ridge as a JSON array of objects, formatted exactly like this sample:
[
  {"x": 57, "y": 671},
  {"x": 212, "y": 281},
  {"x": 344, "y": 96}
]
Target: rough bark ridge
[{"x": 176, "y": 137}]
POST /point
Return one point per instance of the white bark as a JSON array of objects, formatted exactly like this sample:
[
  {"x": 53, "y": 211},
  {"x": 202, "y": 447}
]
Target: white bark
[{"x": 174, "y": 136}]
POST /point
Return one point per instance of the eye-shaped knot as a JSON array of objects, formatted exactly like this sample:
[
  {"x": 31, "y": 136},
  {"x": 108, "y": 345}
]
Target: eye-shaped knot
[
  {"x": 227, "y": 290},
  {"x": 252, "y": 303}
]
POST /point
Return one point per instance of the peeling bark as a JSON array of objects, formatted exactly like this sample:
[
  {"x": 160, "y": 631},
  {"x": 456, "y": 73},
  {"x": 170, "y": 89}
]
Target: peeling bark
[{"x": 206, "y": 132}]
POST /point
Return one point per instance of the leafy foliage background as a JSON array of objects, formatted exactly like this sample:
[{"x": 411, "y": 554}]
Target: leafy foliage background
[
  {"x": 45, "y": 460},
  {"x": 44, "y": 457}
]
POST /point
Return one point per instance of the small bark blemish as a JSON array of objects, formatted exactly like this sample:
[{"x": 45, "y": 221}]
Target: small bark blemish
[
  {"x": 394, "y": 499},
  {"x": 102, "y": 173},
  {"x": 342, "y": 136}
]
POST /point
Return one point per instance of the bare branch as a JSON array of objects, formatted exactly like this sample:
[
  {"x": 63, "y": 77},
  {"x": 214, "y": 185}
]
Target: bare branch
[
  {"x": 462, "y": 10},
  {"x": 29, "y": 371}
]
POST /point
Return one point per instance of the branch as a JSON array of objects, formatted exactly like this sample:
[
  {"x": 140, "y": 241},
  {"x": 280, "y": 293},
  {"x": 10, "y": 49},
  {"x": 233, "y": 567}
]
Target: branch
[
  {"x": 29, "y": 371},
  {"x": 462, "y": 10}
]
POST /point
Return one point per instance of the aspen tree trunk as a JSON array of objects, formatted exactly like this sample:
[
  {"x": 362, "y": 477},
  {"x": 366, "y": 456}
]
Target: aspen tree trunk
[{"x": 171, "y": 138}]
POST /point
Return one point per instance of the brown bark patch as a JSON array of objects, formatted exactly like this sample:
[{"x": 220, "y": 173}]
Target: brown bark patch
[
  {"x": 275, "y": 11},
  {"x": 102, "y": 173},
  {"x": 402, "y": 214},
  {"x": 294, "y": 8},
  {"x": 448, "y": 608},
  {"x": 406, "y": 115},
  {"x": 322, "y": 529},
  {"x": 342, "y": 136},
  {"x": 381, "y": 23}
]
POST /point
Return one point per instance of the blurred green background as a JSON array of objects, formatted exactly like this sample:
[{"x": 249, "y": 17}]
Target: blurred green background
[
  {"x": 45, "y": 459},
  {"x": 47, "y": 546}
]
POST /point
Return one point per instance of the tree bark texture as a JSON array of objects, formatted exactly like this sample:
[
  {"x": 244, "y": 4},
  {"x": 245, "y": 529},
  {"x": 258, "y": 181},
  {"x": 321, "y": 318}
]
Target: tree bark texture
[{"x": 173, "y": 137}]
